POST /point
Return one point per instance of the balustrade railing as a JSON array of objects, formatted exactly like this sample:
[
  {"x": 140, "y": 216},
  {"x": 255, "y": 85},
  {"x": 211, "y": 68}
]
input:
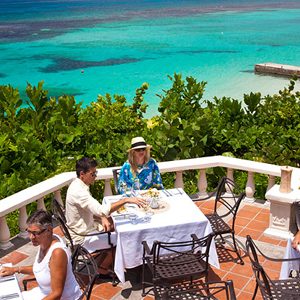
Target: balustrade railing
[{"x": 53, "y": 185}]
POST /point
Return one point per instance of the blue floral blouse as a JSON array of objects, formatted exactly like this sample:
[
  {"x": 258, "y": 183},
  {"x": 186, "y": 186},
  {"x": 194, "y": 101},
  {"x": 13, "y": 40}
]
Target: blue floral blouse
[{"x": 148, "y": 175}]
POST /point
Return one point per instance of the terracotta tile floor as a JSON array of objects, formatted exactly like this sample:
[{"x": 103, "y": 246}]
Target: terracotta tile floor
[{"x": 252, "y": 219}]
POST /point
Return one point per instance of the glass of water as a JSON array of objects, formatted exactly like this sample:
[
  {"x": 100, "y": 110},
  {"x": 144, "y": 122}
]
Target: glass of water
[
  {"x": 148, "y": 216},
  {"x": 133, "y": 219}
]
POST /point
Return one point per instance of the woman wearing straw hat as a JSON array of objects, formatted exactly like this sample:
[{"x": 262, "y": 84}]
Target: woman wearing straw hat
[{"x": 139, "y": 169}]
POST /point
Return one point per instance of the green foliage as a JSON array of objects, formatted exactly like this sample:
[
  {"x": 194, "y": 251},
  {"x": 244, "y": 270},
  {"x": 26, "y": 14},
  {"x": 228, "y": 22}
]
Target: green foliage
[{"x": 41, "y": 136}]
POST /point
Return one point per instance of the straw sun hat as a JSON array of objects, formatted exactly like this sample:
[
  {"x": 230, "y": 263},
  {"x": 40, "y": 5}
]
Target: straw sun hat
[{"x": 138, "y": 143}]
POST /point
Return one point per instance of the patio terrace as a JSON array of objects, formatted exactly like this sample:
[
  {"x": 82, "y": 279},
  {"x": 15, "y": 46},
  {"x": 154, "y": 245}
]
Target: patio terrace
[
  {"x": 252, "y": 219},
  {"x": 260, "y": 219}
]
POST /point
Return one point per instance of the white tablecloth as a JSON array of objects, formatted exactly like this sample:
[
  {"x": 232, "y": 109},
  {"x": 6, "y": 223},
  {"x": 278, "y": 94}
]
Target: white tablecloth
[
  {"x": 287, "y": 266},
  {"x": 177, "y": 223},
  {"x": 9, "y": 288}
]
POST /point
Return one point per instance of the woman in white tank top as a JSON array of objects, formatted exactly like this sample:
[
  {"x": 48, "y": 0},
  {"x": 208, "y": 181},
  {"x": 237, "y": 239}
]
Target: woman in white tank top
[{"x": 52, "y": 267}]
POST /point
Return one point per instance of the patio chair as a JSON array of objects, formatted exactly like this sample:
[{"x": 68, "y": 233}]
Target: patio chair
[
  {"x": 175, "y": 261},
  {"x": 287, "y": 289},
  {"x": 226, "y": 206},
  {"x": 201, "y": 291},
  {"x": 97, "y": 256}
]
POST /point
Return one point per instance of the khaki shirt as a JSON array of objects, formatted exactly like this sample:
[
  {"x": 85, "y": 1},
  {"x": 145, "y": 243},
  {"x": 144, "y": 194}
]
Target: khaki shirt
[{"x": 81, "y": 208}]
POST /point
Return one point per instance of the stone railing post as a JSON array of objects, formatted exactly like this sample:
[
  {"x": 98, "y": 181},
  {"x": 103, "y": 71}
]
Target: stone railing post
[
  {"x": 202, "y": 182},
  {"x": 250, "y": 188},
  {"x": 229, "y": 174},
  {"x": 285, "y": 181},
  {"x": 22, "y": 222},
  {"x": 41, "y": 204},
  {"x": 179, "y": 180},
  {"x": 271, "y": 182},
  {"x": 281, "y": 199},
  {"x": 4, "y": 235},
  {"x": 57, "y": 196},
  {"x": 107, "y": 188}
]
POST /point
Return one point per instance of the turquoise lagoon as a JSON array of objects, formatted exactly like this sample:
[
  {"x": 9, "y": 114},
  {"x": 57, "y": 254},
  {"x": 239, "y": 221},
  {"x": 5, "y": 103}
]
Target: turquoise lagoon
[{"x": 86, "y": 48}]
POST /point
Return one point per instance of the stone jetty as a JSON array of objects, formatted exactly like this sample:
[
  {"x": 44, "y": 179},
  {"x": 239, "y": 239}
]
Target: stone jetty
[{"x": 278, "y": 69}]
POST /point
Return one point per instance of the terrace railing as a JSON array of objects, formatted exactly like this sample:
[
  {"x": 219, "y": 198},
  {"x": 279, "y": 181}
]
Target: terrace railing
[{"x": 54, "y": 185}]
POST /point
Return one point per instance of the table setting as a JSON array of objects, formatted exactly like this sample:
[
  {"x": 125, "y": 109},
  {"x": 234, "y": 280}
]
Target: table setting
[{"x": 172, "y": 217}]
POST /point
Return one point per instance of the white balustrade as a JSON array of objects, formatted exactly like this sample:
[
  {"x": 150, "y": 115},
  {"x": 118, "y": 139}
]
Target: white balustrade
[{"x": 54, "y": 185}]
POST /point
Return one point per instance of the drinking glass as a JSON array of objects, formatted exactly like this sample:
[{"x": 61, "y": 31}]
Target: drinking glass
[
  {"x": 133, "y": 219},
  {"x": 148, "y": 216},
  {"x": 136, "y": 187},
  {"x": 123, "y": 188}
]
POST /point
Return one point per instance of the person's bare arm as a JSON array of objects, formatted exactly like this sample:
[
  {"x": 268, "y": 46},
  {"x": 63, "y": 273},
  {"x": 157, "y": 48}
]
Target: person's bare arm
[
  {"x": 58, "y": 272},
  {"x": 135, "y": 200},
  {"x": 6, "y": 271}
]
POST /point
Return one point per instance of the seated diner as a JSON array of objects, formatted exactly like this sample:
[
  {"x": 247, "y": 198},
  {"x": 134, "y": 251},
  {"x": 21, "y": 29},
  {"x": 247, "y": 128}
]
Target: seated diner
[{"x": 140, "y": 171}]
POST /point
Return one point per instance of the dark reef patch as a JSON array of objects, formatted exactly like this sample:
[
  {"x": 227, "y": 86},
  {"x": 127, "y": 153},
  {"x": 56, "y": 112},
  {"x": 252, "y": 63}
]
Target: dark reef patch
[
  {"x": 247, "y": 71},
  {"x": 67, "y": 64},
  {"x": 209, "y": 51}
]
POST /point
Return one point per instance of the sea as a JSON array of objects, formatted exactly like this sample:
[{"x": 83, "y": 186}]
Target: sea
[{"x": 88, "y": 48}]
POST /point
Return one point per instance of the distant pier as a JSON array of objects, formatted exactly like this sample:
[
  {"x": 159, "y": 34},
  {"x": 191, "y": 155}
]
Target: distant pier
[{"x": 278, "y": 69}]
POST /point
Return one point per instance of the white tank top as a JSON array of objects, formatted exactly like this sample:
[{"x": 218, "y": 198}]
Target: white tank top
[{"x": 41, "y": 271}]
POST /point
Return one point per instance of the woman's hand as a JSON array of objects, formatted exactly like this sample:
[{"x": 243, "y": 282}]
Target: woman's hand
[
  {"x": 6, "y": 271},
  {"x": 137, "y": 200}
]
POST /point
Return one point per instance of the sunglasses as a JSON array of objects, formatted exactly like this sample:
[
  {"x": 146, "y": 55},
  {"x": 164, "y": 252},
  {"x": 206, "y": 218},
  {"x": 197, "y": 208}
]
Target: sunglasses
[
  {"x": 36, "y": 233},
  {"x": 94, "y": 174},
  {"x": 140, "y": 150}
]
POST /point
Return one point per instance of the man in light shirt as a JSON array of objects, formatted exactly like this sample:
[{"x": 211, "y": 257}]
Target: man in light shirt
[{"x": 85, "y": 214}]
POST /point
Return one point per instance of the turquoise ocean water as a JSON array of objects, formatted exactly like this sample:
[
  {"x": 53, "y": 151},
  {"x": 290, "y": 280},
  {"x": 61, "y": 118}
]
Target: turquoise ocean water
[{"x": 91, "y": 47}]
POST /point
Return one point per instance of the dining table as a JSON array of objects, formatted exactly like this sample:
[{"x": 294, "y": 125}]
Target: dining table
[
  {"x": 9, "y": 288},
  {"x": 292, "y": 266},
  {"x": 175, "y": 219}
]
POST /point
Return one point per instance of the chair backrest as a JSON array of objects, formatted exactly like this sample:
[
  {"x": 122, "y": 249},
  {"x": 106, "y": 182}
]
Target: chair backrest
[
  {"x": 228, "y": 197},
  {"x": 261, "y": 276},
  {"x": 194, "y": 250},
  {"x": 85, "y": 270},
  {"x": 66, "y": 233},
  {"x": 58, "y": 210},
  {"x": 204, "y": 291},
  {"x": 116, "y": 173}
]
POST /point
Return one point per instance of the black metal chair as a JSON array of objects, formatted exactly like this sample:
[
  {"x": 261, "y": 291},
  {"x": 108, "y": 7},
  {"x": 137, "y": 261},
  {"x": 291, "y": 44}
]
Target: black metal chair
[
  {"x": 170, "y": 262},
  {"x": 200, "y": 197},
  {"x": 281, "y": 289},
  {"x": 227, "y": 202},
  {"x": 201, "y": 291},
  {"x": 97, "y": 256}
]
